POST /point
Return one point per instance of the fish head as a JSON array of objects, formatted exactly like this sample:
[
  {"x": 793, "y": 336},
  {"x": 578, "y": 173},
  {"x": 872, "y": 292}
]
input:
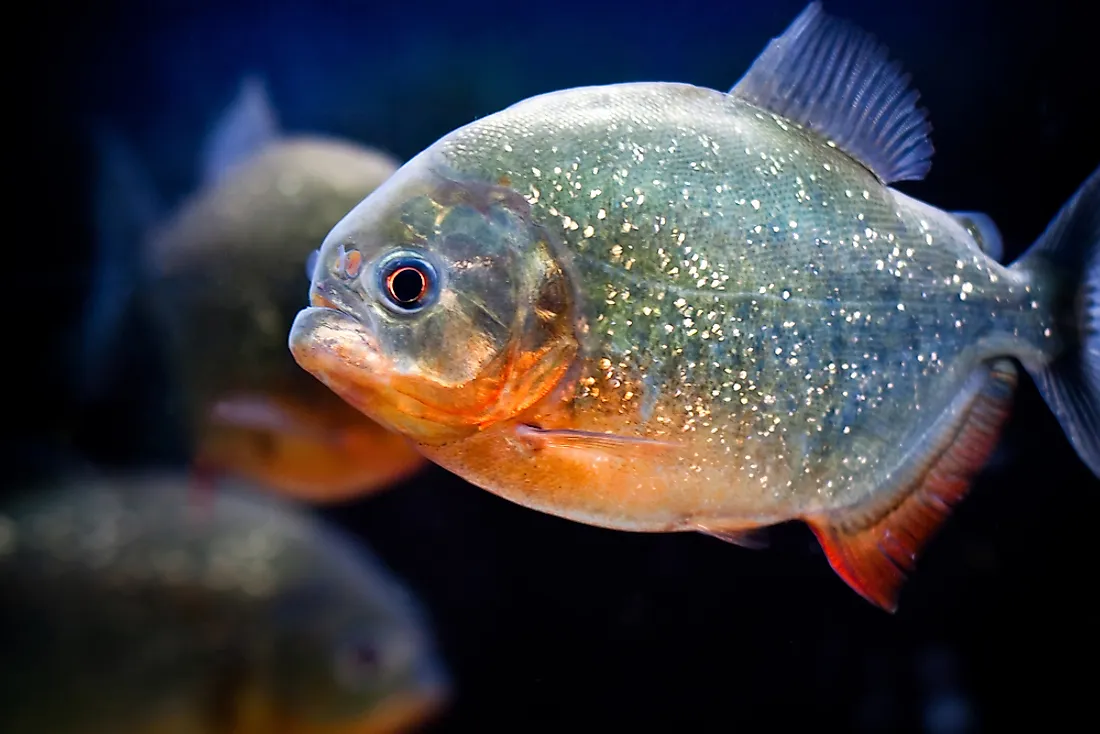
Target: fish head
[
  {"x": 438, "y": 306},
  {"x": 365, "y": 678},
  {"x": 357, "y": 658}
]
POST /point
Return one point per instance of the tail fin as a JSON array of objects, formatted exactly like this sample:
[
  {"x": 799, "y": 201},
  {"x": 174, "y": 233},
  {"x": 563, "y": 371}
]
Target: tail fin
[
  {"x": 125, "y": 210},
  {"x": 1070, "y": 250}
]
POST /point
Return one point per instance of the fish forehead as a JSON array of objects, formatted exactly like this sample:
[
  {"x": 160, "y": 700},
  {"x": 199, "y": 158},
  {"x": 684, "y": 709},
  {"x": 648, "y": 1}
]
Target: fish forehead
[{"x": 764, "y": 289}]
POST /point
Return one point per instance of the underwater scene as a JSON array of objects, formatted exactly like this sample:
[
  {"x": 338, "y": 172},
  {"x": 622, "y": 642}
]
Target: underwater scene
[{"x": 423, "y": 367}]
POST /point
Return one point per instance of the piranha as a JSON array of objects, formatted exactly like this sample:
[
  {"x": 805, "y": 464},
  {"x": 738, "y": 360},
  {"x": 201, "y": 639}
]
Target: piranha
[
  {"x": 655, "y": 307},
  {"x": 126, "y": 610},
  {"x": 220, "y": 280}
]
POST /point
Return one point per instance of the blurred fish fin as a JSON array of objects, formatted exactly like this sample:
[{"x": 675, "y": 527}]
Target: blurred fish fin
[
  {"x": 623, "y": 447},
  {"x": 258, "y": 413},
  {"x": 125, "y": 210},
  {"x": 247, "y": 125},
  {"x": 754, "y": 538},
  {"x": 203, "y": 487},
  {"x": 1070, "y": 248},
  {"x": 834, "y": 78},
  {"x": 873, "y": 545},
  {"x": 984, "y": 231}
]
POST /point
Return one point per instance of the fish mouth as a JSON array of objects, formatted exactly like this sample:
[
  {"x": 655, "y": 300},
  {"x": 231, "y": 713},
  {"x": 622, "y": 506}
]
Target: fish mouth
[
  {"x": 405, "y": 712},
  {"x": 328, "y": 325},
  {"x": 321, "y": 334},
  {"x": 339, "y": 350},
  {"x": 397, "y": 714},
  {"x": 409, "y": 709}
]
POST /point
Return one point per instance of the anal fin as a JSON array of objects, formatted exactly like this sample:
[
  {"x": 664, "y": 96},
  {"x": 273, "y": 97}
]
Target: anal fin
[{"x": 874, "y": 545}]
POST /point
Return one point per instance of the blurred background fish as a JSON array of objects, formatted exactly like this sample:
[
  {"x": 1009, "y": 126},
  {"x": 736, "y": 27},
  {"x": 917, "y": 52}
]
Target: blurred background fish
[
  {"x": 220, "y": 278},
  {"x": 129, "y": 610}
]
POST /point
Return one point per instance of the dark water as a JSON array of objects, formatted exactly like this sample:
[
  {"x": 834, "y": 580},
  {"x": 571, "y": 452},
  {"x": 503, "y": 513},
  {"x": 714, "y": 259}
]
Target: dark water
[{"x": 548, "y": 624}]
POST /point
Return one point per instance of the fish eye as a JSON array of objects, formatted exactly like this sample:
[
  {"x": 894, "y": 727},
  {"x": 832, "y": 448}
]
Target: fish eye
[
  {"x": 408, "y": 282},
  {"x": 358, "y": 660}
]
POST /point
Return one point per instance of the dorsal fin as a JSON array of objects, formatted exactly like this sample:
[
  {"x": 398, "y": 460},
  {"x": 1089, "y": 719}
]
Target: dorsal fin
[
  {"x": 247, "y": 125},
  {"x": 837, "y": 80}
]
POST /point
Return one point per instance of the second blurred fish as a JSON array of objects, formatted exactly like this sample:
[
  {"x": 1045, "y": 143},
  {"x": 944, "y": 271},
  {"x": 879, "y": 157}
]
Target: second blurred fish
[
  {"x": 128, "y": 610},
  {"x": 222, "y": 278}
]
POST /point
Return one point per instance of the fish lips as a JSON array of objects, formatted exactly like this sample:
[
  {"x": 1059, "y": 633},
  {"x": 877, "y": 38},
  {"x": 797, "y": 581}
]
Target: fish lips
[
  {"x": 424, "y": 697},
  {"x": 405, "y": 711},
  {"x": 398, "y": 713},
  {"x": 339, "y": 350}
]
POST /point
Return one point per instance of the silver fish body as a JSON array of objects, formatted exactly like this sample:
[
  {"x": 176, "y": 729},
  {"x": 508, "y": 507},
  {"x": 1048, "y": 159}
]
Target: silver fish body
[{"x": 656, "y": 307}]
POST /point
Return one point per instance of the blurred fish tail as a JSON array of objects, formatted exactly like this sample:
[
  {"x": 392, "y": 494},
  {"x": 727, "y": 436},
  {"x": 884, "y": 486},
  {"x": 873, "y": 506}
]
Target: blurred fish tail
[
  {"x": 1069, "y": 253},
  {"x": 125, "y": 208}
]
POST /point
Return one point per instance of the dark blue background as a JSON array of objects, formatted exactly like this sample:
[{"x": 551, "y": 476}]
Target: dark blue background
[{"x": 550, "y": 625}]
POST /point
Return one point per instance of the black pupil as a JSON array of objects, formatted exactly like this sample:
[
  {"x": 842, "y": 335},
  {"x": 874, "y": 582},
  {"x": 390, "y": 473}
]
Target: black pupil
[{"x": 407, "y": 285}]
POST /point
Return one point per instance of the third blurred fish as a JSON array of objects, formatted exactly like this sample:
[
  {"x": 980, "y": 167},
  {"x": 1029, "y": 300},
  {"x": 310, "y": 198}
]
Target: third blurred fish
[
  {"x": 222, "y": 278},
  {"x": 127, "y": 610}
]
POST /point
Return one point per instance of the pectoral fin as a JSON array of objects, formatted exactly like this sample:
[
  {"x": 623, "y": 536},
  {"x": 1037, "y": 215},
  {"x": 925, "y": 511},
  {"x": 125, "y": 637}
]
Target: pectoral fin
[
  {"x": 254, "y": 412},
  {"x": 260, "y": 413},
  {"x": 539, "y": 439},
  {"x": 872, "y": 546}
]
